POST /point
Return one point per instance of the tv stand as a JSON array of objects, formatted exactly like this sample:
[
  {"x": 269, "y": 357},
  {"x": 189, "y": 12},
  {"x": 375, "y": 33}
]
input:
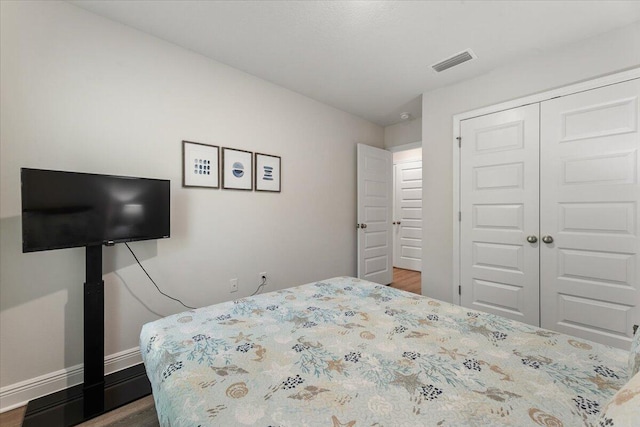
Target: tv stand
[
  {"x": 98, "y": 394},
  {"x": 93, "y": 388}
]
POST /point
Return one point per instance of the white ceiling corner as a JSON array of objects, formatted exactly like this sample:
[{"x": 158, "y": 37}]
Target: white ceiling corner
[{"x": 369, "y": 58}]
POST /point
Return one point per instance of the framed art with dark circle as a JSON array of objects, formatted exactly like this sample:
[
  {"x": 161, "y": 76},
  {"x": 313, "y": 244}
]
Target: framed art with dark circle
[
  {"x": 268, "y": 173},
  {"x": 200, "y": 165},
  {"x": 237, "y": 169}
]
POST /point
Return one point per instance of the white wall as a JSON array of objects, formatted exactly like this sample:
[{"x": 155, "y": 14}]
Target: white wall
[
  {"x": 402, "y": 133},
  {"x": 588, "y": 59},
  {"x": 411, "y": 155},
  {"x": 82, "y": 93}
]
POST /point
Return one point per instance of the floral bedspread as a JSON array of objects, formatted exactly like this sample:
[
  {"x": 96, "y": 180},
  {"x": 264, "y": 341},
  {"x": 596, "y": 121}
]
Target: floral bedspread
[{"x": 346, "y": 352}]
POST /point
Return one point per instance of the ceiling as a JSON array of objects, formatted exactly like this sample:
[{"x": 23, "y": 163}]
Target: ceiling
[{"x": 370, "y": 58}]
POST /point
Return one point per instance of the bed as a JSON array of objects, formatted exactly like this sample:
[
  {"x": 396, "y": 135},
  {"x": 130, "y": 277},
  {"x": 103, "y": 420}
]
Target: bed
[{"x": 347, "y": 352}]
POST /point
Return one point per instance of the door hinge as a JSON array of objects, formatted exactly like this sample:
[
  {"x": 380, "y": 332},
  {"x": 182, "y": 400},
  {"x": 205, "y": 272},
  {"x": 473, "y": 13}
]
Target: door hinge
[
  {"x": 459, "y": 216},
  {"x": 459, "y": 290},
  {"x": 635, "y": 329},
  {"x": 459, "y": 138}
]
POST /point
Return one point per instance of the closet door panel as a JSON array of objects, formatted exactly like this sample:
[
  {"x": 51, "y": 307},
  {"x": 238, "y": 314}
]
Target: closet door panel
[
  {"x": 499, "y": 206},
  {"x": 589, "y": 205}
]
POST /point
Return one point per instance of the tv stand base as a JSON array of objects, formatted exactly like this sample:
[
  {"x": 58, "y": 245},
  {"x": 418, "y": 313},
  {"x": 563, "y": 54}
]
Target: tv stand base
[{"x": 67, "y": 407}]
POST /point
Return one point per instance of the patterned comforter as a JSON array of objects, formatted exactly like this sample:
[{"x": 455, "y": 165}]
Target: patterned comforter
[{"x": 346, "y": 352}]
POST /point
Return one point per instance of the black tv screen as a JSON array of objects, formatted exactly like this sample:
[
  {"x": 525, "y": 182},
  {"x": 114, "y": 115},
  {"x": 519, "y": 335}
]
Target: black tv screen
[{"x": 70, "y": 209}]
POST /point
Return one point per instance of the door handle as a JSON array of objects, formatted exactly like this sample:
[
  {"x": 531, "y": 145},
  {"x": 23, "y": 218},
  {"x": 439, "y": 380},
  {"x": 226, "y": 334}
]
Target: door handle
[
  {"x": 394, "y": 223},
  {"x": 399, "y": 222},
  {"x": 532, "y": 239},
  {"x": 547, "y": 239},
  {"x": 363, "y": 225}
]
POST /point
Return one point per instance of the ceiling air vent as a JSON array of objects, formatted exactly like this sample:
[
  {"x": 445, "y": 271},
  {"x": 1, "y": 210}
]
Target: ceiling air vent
[{"x": 456, "y": 59}]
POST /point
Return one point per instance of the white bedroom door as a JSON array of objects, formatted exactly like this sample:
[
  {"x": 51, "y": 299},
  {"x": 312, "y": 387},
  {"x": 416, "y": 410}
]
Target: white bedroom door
[
  {"x": 499, "y": 218},
  {"x": 407, "y": 216},
  {"x": 589, "y": 213},
  {"x": 375, "y": 192}
]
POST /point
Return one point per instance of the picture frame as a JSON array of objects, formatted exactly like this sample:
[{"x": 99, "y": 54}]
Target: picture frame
[
  {"x": 268, "y": 173},
  {"x": 237, "y": 169},
  {"x": 200, "y": 165}
]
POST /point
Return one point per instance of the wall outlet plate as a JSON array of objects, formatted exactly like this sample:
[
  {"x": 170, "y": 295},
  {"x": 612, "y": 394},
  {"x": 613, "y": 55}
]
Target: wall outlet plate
[{"x": 233, "y": 285}]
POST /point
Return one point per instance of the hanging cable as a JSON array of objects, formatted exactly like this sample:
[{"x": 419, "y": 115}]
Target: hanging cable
[
  {"x": 154, "y": 283},
  {"x": 264, "y": 282}
]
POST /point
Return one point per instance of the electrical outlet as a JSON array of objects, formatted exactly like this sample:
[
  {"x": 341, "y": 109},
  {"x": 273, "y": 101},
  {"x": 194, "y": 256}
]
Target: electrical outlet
[
  {"x": 233, "y": 285},
  {"x": 262, "y": 278}
]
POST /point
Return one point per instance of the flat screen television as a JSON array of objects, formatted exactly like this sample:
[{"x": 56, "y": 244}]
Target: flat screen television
[{"x": 71, "y": 209}]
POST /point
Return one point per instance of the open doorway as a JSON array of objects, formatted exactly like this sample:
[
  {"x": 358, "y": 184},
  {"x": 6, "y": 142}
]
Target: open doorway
[{"x": 407, "y": 216}]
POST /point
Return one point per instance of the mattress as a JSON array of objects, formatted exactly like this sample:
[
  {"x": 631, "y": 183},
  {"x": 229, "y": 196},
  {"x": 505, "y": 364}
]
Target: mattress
[{"x": 347, "y": 352}]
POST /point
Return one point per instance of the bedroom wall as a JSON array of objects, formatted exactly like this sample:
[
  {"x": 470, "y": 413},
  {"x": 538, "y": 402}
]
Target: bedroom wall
[
  {"x": 402, "y": 133},
  {"x": 413, "y": 155},
  {"x": 82, "y": 93},
  {"x": 604, "y": 54}
]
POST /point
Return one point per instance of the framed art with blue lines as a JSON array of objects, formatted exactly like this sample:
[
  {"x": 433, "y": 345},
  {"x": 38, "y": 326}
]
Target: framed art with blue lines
[
  {"x": 237, "y": 169},
  {"x": 268, "y": 173},
  {"x": 200, "y": 165}
]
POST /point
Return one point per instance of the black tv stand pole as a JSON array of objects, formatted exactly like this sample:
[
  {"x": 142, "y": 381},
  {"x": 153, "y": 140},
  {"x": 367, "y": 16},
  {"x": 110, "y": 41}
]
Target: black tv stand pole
[
  {"x": 98, "y": 394},
  {"x": 93, "y": 388}
]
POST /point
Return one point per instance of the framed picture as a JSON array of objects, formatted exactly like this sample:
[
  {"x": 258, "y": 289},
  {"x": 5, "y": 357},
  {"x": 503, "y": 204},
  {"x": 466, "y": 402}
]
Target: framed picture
[
  {"x": 268, "y": 173},
  {"x": 237, "y": 169},
  {"x": 200, "y": 165}
]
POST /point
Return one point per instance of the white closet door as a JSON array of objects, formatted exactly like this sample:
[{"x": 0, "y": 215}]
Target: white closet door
[
  {"x": 407, "y": 218},
  {"x": 499, "y": 203},
  {"x": 589, "y": 207}
]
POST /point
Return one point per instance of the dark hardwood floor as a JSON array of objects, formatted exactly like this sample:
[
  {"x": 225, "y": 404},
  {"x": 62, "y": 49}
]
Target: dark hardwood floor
[
  {"x": 140, "y": 413},
  {"x": 12, "y": 418}
]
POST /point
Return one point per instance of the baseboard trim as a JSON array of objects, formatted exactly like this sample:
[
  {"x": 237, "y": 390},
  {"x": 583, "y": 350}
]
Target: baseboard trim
[{"x": 19, "y": 394}]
